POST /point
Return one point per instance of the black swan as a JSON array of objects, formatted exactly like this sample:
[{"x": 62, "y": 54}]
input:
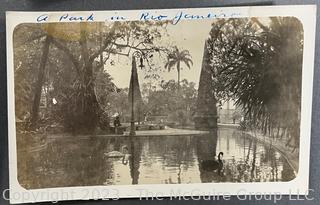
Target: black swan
[{"x": 211, "y": 165}]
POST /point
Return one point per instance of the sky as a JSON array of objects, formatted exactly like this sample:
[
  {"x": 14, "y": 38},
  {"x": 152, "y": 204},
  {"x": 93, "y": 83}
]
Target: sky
[{"x": 189, "y": 35}]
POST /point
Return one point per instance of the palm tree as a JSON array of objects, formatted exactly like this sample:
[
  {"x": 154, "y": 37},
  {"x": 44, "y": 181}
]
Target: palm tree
[{"x": 175, "y": 58}]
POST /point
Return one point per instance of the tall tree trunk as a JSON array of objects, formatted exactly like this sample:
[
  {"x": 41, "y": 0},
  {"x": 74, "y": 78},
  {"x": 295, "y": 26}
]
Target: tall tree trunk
[
  {"x": 90, "y": 110},
  {"x": 40, "y": 81},
  {"x": 178, "y": 69}
]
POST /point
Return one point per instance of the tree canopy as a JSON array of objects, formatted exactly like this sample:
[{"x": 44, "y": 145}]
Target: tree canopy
[
  {"x": 258, "y": 63},
  {"x": 69, "y": 59},
  {"x": 175, "y": 58}
]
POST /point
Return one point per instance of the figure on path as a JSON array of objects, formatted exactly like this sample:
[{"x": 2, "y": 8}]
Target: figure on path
[{"x": 116, "y": 122}]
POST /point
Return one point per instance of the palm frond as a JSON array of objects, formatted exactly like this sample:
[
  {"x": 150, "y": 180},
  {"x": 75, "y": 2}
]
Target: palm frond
[
  {"x": 170, "y": 64},
  {"x": 188, "y": 62}
]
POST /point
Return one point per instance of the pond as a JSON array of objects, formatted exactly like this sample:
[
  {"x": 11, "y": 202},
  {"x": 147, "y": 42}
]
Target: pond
[{"x": 84, "y": 161}]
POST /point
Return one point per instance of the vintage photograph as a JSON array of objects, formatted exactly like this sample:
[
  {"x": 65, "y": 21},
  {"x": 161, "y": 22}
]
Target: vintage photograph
[{"x": 152, "y": 102}]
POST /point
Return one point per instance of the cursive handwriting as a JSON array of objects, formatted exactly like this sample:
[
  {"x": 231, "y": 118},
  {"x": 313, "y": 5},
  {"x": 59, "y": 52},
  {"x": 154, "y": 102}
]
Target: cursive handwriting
[
  {"x": 67, "y": 17},
  {"x": 146, "y": 16},
  {"x": 186, "y": 16},
  {"x": 142, "y": 16}
]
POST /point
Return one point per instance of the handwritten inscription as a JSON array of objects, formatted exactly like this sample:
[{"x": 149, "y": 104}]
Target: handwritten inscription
[
  {"x": 42, "y": 18},
  {"x": 142, "y": 16},
  {"x": 146, "y": 16},
  {"x": 67, "y": 17},
  {"x": 185, "y": 16},
  {"x": 118, "y": 18}
]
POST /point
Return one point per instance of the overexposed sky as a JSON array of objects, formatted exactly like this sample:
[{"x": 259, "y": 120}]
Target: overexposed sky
[{"x": 189, "y": 35}]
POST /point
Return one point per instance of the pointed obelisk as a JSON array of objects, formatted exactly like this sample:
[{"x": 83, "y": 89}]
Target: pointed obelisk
[
  {"x": 134, "y": 88},
  {"x": 206, "y": 112}
]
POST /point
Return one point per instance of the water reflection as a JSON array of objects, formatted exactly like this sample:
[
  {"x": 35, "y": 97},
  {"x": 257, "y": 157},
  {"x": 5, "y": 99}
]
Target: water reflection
[{"x": 82, "y": 161}]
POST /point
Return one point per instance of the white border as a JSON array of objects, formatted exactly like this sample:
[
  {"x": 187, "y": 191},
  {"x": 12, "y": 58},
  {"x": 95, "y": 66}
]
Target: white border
[{"x": 305, "y": 13}]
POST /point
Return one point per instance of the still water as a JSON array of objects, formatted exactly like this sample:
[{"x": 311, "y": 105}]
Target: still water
[{"x": 82, "y": 161}]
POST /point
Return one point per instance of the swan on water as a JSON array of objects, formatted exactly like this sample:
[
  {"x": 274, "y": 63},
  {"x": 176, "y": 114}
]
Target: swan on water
[
  {"x": 211, "y": 165},
  {"x": 117, "y": 154}
]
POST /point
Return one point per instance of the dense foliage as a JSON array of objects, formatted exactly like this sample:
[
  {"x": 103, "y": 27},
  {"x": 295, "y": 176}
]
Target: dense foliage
[
  {"x": 258, "y": 63},
  {"x": 174, "y": 101},
  {"x": 65, "y": 62}
]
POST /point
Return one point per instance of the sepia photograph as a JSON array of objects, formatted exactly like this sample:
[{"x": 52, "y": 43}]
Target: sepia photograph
[
  {"x": 150, "y": 103},
  {"x": 158, "y": 102}
]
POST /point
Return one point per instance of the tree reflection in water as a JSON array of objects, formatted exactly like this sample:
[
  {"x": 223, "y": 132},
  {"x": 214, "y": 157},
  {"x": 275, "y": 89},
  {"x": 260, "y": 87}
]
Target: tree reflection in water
[{"x": 80, "y": 161}]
